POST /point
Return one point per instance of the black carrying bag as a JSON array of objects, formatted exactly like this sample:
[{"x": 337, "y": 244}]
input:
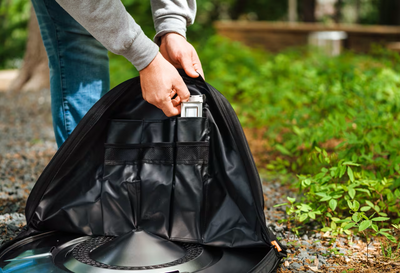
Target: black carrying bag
[{"x": 127, "y": 166}]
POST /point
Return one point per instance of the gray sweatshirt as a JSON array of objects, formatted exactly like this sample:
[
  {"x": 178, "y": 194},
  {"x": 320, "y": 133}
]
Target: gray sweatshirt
[{"x": 110, "y": 23}]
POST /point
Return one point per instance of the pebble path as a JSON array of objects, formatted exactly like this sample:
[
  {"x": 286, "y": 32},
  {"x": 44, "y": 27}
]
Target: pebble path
[{"x": 26, "y": 146}]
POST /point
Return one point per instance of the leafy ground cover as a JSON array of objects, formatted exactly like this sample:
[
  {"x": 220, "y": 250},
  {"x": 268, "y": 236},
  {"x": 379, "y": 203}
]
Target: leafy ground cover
[{"x": 328, "y": 126}]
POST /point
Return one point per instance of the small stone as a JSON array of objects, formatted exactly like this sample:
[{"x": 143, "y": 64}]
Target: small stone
[
  {"x": 318, "y": 244},
  {"x": 12, "y": 227},
  {"x": 295, "y": 266},
  {"x": 305, "y": 237}
]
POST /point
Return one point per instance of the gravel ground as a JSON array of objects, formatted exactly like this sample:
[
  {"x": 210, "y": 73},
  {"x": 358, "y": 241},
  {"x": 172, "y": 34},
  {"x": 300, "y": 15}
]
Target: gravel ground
[
  {"x": 27, "y": 145},
  {"x": 307, "y": 253}
]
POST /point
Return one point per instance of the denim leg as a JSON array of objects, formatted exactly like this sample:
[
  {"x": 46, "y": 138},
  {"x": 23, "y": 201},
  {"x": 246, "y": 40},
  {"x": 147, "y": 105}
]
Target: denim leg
[{"x": 79, "y": 72}]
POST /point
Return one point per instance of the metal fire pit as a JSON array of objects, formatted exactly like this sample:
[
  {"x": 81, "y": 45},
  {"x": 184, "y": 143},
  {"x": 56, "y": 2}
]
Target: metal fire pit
[{"x": 135, "y": 252}]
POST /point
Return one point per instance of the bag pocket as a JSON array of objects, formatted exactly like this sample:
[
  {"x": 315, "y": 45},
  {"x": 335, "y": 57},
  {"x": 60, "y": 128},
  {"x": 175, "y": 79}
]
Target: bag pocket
[
  {"x": 190, "y": 172},
  {"x": 123, "y": 131},
  {"x": 132, "y": 172},
  {"x": 192, "y": 129}
]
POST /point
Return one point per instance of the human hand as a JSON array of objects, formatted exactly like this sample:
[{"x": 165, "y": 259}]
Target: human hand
[
  {"x": 160, "y": 81},
  {"x": 181, "y": 54}
]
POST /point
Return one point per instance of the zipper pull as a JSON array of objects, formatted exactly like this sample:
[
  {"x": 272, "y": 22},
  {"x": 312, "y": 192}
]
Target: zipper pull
[{"x": 276, "y": 245}]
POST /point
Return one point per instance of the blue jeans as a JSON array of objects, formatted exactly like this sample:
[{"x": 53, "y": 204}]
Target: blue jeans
[{"x": 79, "y": 73}]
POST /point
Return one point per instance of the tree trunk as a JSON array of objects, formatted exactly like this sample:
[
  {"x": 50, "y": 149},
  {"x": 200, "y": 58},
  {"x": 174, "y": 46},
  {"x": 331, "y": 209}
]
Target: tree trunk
[
  {"x": 358, "y": 8},
  {"x": 338, "y": 11},
  {"x": 308, "y": 10},
  {"x": 34, "y": 73},
  {"x": 238, "y": 9},
  {"x": 292, "y": 10},
  {"x": 389, "y": 11}
]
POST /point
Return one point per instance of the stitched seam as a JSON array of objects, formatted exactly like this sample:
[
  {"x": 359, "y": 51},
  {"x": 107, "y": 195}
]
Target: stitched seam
[{"x": 60, "y": 67}]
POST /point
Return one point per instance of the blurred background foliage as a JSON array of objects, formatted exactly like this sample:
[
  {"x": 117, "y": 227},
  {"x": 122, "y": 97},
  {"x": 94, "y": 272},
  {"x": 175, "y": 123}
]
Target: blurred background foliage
[{"x": 14, "y": 15}]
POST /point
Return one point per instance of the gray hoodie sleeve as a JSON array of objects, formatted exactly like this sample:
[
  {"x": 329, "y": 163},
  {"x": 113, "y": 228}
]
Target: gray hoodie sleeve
[
  {"x": 110, "y": 23},
  {"x": 172, "y": 16}
]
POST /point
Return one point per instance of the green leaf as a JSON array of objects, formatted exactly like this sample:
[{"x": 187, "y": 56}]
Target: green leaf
[
  {"x": 350, "y": 204},
  {"x": 349, "y": 163},
  {"x": 366, "y": 208},
  {"x": 303, "y": 217},
  {"x": 311, "y": 215},
  {"x": 342, "y": 171},
  {"x": 382, "y": 214},
  {"x": 322, "y": 194},
  {"x": 385, "y": 229},
  {"x": 377, "y": 209},
  {"x": 356, "y": 217},
  {"x": 380, "y": 219},
  {"x": 364, "y": 225},
  {"x": 374, "y": 227},
  {"x": 283, "y": 149},
  {"x": 364, "y": 190},
  {"x": 350, "y": 174},
  {"x": 305, "y": 208},
  {"x": 352, "y": 193},
  {"x": 390, "y": 237},
  {"x": 291, "y": 200},
  {"x": 326, "y": 198},
  {"x": 279, "y": 205},
  {"x": 335, "y": 219},
  {"x": 369, "y": 203},
  {"x": 332, "y": 204},
  {"x": 325, "y": 229},
  {"x": 306, "y": 182},
  {"x": 356, "y": 205},
  {"x": 348, "y": 226}
]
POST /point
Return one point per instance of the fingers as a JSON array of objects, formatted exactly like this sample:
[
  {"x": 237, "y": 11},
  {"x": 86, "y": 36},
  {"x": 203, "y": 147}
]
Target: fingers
[
  {"x": 197, "y": 64},
  {"x": 160, "y": 82},
  {"x": 169, "y": 109},
  {"x": 176, "y": 101},
  {"x": 181, "y": 89},
  {"x": 186, "y": 62}
]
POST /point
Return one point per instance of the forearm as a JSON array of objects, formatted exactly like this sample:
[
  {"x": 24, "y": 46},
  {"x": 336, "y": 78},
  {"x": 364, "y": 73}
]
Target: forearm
[
  {"x": 172, "y": 16},
  {"x": 110, "y": 23}
]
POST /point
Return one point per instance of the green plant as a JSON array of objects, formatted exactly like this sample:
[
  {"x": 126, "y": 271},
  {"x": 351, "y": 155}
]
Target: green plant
[
  {"x": 390, "y": 252},
  {"x": 298, "y": 100},
  {"x": 14, "y": 15},
  {"x": 343, "y": 199}
]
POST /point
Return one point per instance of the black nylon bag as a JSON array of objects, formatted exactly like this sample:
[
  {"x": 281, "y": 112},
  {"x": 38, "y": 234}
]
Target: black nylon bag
[{"x": 127, "y": 166}]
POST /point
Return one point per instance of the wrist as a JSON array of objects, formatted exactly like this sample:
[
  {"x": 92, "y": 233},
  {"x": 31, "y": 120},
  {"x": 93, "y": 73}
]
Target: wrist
[{"x": 171, "y": 35}]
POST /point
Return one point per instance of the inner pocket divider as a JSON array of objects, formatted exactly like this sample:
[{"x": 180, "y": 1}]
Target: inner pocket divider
[
  {"x": 190, "y": 172},
  {"x": 125, "y": 167}
]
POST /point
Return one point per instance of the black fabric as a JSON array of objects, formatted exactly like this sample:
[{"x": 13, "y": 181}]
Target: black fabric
[{"x": 127, "y": 166}]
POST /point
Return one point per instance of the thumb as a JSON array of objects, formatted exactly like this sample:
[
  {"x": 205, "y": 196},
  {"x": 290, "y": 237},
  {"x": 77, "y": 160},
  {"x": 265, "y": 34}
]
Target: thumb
[
  {"x": 181, "y": 89},
  {"x": 188, "y": 66}
]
